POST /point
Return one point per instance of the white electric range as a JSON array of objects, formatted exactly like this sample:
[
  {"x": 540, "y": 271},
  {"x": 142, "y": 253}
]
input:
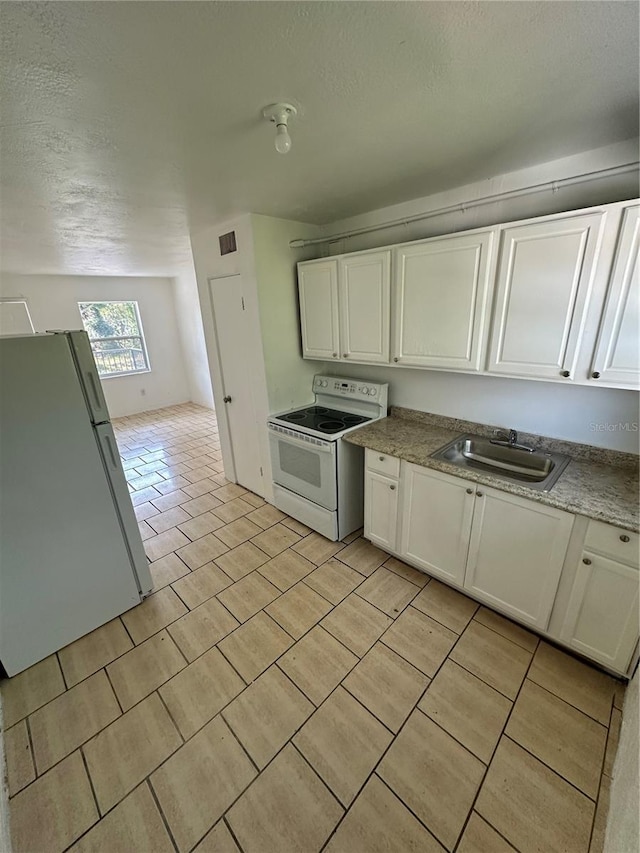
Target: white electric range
[{"x": 318, "y": 478}]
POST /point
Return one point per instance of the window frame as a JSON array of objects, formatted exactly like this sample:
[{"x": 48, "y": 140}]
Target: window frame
[{"x": 140, "y": 336}]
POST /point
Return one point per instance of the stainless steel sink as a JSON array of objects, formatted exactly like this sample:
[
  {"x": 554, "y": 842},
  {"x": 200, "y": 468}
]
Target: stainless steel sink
[{"x": 539, "y": 470}]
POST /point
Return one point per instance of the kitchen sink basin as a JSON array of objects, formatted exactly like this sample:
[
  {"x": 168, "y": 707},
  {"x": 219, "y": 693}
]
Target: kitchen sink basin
[{"x": 537, "y": 469}]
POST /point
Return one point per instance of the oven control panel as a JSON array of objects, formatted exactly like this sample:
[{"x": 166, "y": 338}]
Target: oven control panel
[{"x": 355, "y": 389}]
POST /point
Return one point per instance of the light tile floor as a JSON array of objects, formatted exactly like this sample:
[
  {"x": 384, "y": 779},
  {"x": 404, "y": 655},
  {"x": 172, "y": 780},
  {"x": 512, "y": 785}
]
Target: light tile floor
[{"x": 279, "y": 693}]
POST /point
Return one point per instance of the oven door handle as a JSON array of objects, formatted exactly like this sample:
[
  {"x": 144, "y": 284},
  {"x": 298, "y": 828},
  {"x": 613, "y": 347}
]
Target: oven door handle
[{"x": 325, "y": 447}]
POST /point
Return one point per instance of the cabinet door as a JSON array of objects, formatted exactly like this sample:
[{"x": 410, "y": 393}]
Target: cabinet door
[
  {"x": 318, "y": 289},
  {"x": 437, "y": 512},
  {"x": 545, "y": 272},
  {"x": 364, "y": 290},
  {"x": 441, "y": 292},
  {"x": 381, "y": 510},
  {"x": 602, "y": 615},
  {"x": 516, "y": 554},
  {"x": 617, "y": 356}
]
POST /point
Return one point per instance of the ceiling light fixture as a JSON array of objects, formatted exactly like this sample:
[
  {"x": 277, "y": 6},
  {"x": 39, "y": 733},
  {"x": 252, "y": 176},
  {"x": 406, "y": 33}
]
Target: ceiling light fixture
[{"x": 279, "y": 114}]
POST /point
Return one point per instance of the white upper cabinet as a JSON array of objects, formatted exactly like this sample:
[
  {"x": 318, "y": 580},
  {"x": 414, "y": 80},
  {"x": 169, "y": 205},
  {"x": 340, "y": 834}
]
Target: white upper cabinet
[
  {"x": 364, "y": 299},
  {"x": 318, "y": 289},
  {"x": 544, "y": 280},
  {"x": 555, "y": 298},
  {"x": 442, "y": 288},
  {"x": 617, "y": 356}
]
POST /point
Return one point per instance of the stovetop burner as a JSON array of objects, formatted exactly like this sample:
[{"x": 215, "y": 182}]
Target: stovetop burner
[{"x": 322, "y": 419}]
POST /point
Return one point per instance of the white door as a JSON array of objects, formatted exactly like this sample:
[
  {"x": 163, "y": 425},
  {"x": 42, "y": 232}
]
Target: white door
[
  {"x": 441, "y": 292},
  {"x": 602, "y": 615},
  {"x": 545, "y": 272},
  {"x": 516, "y": 554},
  {"x": 437, "y": 512},
  {"x": 318, "y": 291},
  {"x": 617, "y": 356},
  {"x": 364, "y": 299},
  {"x": 232, "y": 336},
  {"x": 381, "y": 510}
]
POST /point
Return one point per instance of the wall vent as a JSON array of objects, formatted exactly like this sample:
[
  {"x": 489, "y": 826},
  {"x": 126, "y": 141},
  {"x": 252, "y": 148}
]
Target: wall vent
[{"x": 227, "y": 243}]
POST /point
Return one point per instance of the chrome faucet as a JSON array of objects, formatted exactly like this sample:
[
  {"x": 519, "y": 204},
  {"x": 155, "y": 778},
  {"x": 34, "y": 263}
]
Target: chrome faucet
[{"x": 510, "y": 440}]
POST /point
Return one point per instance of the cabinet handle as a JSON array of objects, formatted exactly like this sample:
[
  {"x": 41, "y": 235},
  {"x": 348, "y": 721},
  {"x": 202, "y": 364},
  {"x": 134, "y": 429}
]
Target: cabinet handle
[
  {"x": 469, "y": 491},
  {"x": 595, "y": 375},
  {"x": 586, "y": 561},
  {"x": 479, "y": 494},
  {"x": 565, "y": 373},
  {"x": 624, "y": 538},
  {"x": 335, "y": 354},
  {"x": 345, "y": 355},
  {"x": 396, "y": 358},
  {"x": 393, "y": 488},
  {"x": 381, "y": 458}
]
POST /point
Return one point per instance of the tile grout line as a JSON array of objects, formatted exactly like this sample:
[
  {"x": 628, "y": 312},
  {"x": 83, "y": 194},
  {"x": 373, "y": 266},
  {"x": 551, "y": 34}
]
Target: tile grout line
[
  {"x": 571, "y": 705},
  {"x": 27, "y": 722},
  {"x": 225, "y": 821},
  {"x": 89, "y": 777},
  {"x": 163, "y": 817},
  {"x": 113, "y": 690},
  {"x": 295, "y": 746},
  {"x": 495, "y": 749},
  {"x": 64, "y": 677},
  {"x": 602, "y": 773},
  {"x": 414, "y": 707}
]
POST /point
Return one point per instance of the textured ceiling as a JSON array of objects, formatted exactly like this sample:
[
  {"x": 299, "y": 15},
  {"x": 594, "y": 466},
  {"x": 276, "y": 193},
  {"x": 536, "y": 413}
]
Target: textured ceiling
[{"x": 127, "y": 124}]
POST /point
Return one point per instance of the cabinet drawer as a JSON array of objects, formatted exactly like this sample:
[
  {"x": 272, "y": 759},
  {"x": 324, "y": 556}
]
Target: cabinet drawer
[
  {"x": 613, "y": 542},
  {"x": 382, "y": 463}
]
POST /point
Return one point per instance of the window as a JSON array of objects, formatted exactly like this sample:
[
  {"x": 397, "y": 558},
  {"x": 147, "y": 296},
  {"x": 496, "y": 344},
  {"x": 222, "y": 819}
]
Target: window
[{"x": 115, "y": 333}]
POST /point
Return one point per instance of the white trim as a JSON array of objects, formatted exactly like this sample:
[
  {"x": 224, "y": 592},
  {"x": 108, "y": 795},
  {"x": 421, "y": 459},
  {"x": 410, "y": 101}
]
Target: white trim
[{"x": 21, "y": 300}]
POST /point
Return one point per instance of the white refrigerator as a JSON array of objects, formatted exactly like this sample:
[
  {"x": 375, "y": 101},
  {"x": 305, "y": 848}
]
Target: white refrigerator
[{"x": 71, "y": 556}]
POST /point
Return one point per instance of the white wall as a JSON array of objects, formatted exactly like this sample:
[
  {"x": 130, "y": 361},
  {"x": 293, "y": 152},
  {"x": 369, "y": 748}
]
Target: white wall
[
  {"x": 623, "y": 830},
  {"x": 600, "y": 191},
  {"x": 53, "y": 303},
  {"x": 544, "y": 408},
  {"x": 264, "y": 260},
  {"x": 191, "y": 332},
  {"x": 289, "y": 377},
  {"x": 209, "y": 263},
  {"x": 560, "y": 411}
]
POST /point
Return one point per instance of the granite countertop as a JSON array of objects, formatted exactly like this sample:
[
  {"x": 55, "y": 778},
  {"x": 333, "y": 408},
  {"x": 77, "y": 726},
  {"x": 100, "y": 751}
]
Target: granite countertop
[{"x": 599, "y": 484}]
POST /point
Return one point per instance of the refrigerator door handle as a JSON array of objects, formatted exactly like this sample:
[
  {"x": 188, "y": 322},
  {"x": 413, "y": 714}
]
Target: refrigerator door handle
[
  {"x": 122, "y": 500},
  {"x": 92, "y": 382},
  {"x": 112, "y": 454},
  {"x": 88, "y": 374}
]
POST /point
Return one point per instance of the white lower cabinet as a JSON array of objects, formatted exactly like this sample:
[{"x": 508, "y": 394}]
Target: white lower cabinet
[
  {"x": 381, "y": 510},
  {"x": 436, "y": 522},
  {"x": 601, "y": 620},
  {"x": 516, "y": 554},
  {"x": 511, "y": 553}
]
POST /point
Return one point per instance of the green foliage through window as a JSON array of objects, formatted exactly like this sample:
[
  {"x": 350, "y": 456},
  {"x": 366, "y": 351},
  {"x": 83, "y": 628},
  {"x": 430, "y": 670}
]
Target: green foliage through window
[{"x": 116, "y": 336}]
